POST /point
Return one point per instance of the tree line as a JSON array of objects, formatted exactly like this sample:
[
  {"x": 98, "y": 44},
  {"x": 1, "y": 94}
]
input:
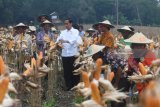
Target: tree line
[{"x": 133, "y": 12}]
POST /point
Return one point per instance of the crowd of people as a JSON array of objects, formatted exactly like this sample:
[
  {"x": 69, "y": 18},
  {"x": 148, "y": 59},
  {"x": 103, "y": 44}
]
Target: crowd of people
[{"x": 129, "y": 48}]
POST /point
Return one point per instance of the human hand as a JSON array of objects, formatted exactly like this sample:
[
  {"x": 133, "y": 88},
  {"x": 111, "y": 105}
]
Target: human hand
[{"x": 47, "y": 39}]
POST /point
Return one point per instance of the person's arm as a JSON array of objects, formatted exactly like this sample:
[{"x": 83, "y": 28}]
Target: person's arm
[
  {"x": 80, "y": 41},
  {"x": 76, "y": 38}
]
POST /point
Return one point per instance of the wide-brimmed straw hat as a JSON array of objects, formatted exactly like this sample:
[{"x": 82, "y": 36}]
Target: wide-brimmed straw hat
[
  {"x": 46, "y": 22},
  {"x": 32, "y": 28},
  {"x": 138, "y": 38},
  {"x": 106, "y": 22},
  {"x": 93, "y": 49},
  {"x": 53, "y": 29},
  {"x": 10, "y": 27},
  {"x": 125, "y": 28},
  {"x": 43, "y": 15},
  {"x": 90, "y": 30},
  {"x": 131, "y": 28},
  {"x": 21, "y": 25}
]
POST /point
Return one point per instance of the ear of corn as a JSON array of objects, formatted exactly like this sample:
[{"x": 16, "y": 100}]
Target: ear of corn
[
  {"x": 97, "y": 72},
  {"x": 111, "y": 76},
  {"x": 10, "y": 44},
  {"x": 151, "y": 46},
  {"x": 142, "y": 69},
  {"x": 52, "y": 43},
  {"x": 99, "y": 62},
  {"x": 33, "y": 63},
  {"x": 2, "y": 66},
  {"x": 40, "y": 55},
  {"x": 151, "y": 85},
  {"x": 85, "y": 79},
  {"x": 95, "y": 93},
  {"x": 4, "y": 87},
  {"x": 27, "y": 72}
]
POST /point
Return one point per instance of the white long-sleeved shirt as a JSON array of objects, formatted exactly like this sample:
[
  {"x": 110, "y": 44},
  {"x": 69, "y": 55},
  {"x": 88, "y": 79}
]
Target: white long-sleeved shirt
[{"x": 71, "y": 48}]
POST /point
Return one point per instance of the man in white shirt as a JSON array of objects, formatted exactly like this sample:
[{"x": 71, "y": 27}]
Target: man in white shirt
[{"x": 70, "y": 43}]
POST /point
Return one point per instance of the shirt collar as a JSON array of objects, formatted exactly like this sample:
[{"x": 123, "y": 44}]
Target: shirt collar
[{"x": 70, "y": 30}]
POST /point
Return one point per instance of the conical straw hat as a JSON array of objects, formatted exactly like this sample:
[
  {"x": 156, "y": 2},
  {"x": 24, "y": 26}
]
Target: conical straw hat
[
  {"x": 106, "y": 22},
  {"x": 125, "y": 28},
  {"x": 138, "y": 38},
  {"x": 93, "y": 49}
]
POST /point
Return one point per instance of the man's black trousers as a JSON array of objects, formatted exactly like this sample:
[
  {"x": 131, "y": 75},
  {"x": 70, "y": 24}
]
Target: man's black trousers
[{"x": 70, "y": 79}]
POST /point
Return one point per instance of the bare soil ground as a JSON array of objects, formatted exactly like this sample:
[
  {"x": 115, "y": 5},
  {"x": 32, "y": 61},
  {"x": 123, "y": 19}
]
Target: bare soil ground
[{"x": 64, "y": 98}]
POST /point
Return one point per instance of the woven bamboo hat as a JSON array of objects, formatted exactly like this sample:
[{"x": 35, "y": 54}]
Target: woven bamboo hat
[
  {"x": 46, "y": 22},
  {"x": 93, "y": 49},
  {"x": 139, "y": 38},
  {"x": 21, "y": 25},
  {"x": 125, "y": 28},
  {"x": 106, "y": 22}
]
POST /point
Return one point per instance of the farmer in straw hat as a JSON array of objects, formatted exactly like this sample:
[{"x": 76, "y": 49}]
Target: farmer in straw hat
[
  {"x": 32, "y": 32},
  {"x": 23, "y": 43},
  {"x": 106, "y": 37},
  {"x": 122, "y": 46},
  {"x": 140, "y": 54},
  {"x": 55, "y": 32},
  {"x": 43, "y": 18},
  {"x": 23, "y": 37},
  {"x": 90, "y": 32},
  {"x": 125, "y": 32},
  {"x": 44, "y": 36},
  {"x": 88, "y": 38}
]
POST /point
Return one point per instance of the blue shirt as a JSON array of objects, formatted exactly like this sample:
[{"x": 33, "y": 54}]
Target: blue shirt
[
  {"x": 40, "y": 39},
  {"x": 82, "y": 33}
]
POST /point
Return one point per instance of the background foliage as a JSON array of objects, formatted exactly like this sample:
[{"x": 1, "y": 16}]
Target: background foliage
[{"x": 134, "y": 12}]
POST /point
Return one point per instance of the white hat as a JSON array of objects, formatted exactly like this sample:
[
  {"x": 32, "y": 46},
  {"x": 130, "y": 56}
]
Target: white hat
[
  {"x": 90, "y": 30},
  {"x": 46, "y": 22},
  {"x": 93, "y": 49},
  {"x": 21, "y": 25},
  {"x": 53, "y": 29},
  {"x": 138, "y": 38},
  {"x": 32, "y": 28},
  {"x": 131, "y": 28},
  {"x": 125, "y": 28},
  {"x": 10, "y": 27},
  {"x": 106, "y": 22}
]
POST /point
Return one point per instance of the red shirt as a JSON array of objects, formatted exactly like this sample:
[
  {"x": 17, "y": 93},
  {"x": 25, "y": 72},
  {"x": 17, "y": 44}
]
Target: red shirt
[{"x": 147, "y": 61}]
